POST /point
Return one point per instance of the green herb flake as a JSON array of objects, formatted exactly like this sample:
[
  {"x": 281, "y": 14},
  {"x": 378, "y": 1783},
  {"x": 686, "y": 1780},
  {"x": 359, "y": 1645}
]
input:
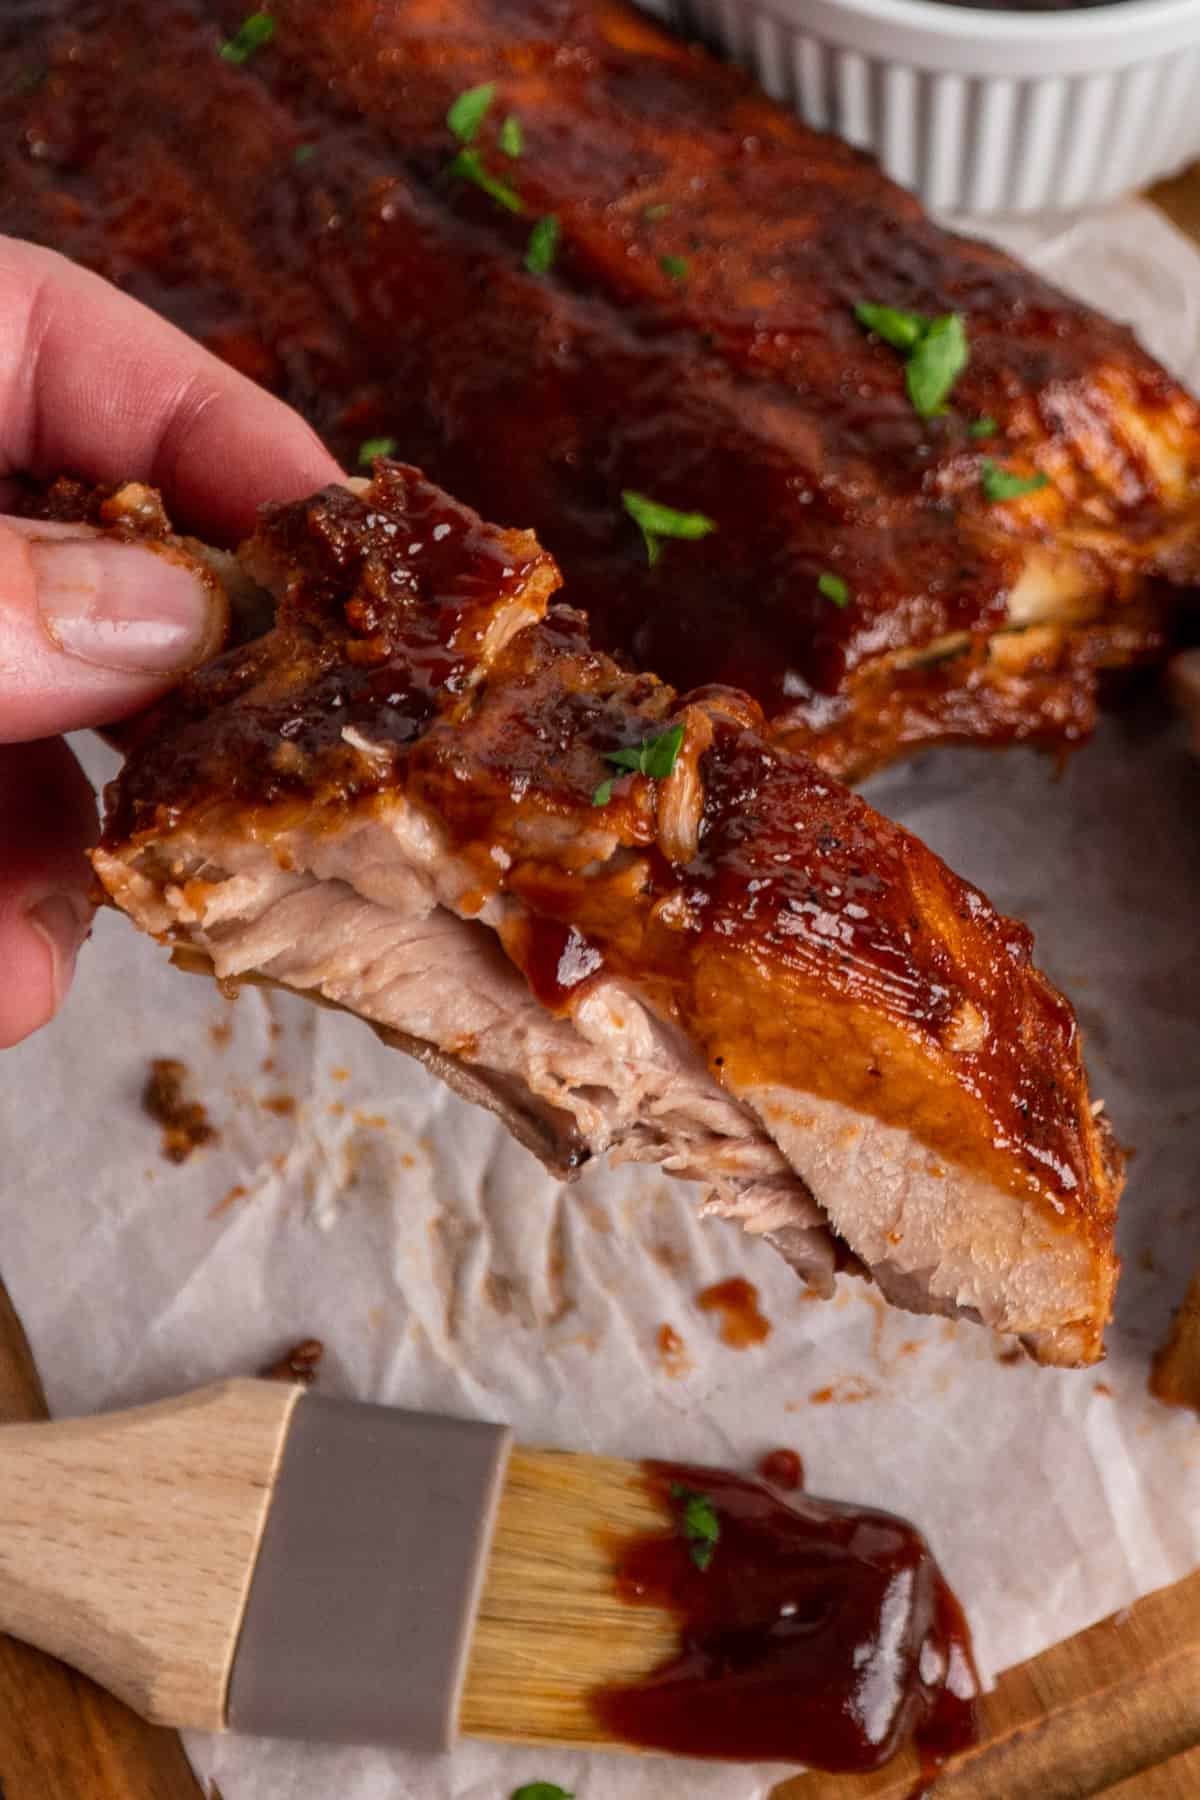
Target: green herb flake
[
  {"x": 1001, "y": 484},
  {"x": 652, "y": 214},
  {"x": 512, "y": 138},
  {"x": 902, "y": 330},
  {"x": 936, "y": 363},
  {"x": 542, "y": 247},
  {"x": 701, "y": 1526},
  {"x": 468, "y": 166},
  {"x": 370, "y": 448},
  {"x": 674, "y": 266},
  {"x": 982, "y": 428},
  {"x": 935, "y": 350},
  {"x": 303, "y": 153},
  {"x": 257, "y": 29},
  {"x": 658, "y": 522},
  {"x": 832, "y": 587},
  {"x": 467, "y": 113},
  {"x": 654, "y": 757},
  {"x": 541, "y": 1790}
]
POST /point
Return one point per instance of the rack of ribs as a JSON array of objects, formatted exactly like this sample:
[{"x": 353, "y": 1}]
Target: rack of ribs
[
  {"x": 876, "y": 578},
  {"x": 630, "y": 922}
]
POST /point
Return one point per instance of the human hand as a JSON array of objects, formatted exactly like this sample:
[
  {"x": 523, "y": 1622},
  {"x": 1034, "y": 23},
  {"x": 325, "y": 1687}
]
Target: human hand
[{"x": 92, "y": 629}]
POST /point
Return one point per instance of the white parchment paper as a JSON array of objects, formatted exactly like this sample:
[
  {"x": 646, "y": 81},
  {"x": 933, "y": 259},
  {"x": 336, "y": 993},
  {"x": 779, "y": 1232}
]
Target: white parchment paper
[{"x": 444, "y": 1268}]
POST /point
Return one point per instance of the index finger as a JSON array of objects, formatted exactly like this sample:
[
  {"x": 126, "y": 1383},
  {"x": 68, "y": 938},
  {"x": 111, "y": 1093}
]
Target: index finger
[{"x": 94, "y": 384}]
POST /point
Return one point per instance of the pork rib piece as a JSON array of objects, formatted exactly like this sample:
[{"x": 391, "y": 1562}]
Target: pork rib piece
[
  {"x": 694, "y": 340},
  {"x": 394, "y": 800}
]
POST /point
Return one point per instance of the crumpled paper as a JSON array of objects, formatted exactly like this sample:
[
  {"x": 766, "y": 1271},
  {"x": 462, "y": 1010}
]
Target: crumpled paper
[{"x": 352, "y": 1198}]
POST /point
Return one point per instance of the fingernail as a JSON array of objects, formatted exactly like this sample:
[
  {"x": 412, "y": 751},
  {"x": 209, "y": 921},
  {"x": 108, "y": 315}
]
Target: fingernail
[
  {"x": 62, "y": 922},
  {"x": 120, "y": 606}
]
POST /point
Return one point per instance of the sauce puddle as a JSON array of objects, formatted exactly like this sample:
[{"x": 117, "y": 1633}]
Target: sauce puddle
[{"x": 810, "y": 1632}]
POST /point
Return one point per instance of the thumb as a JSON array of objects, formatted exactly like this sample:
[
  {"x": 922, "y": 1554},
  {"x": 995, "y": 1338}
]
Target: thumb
[{"x": 93, "y": 627}]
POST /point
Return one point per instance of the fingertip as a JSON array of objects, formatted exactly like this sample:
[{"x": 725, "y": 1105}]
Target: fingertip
[
  {"x": 93, "y": 381},
  {"x": 93, "y": 628},
  {"x": 39, "y": 942},
  {"x": 47, "y": 816}
]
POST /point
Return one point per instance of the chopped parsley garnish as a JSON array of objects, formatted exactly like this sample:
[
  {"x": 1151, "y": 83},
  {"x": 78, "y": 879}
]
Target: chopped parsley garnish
[
  {"x": 464, "y": 118},
  {"x": 832, "y": 587},
  {"x": 542, "y": 247},
  {"x": 468, "y": 166},
  {"x": 257, "y": 29},
  {"x": 652, "y": 214},
  {"x": 303, "y": 153},
  {"x": 658, "y": 522},
  {"x": 701, "y": 1526},
  {"x": 466, "y": 114},
  {"x": 936, "y": 364},
  {"x": 655, "y": 757},
  {"x": 541, "y": 1790},
  {"x": 674, "y": 266},
  {"x": 902, "y": 330},
  {"x": 1001, "y": 484},
  {"x": 370, "y": 448},
  {"x": 982, "y": 428},
  {"x": 935, "y": 350}
]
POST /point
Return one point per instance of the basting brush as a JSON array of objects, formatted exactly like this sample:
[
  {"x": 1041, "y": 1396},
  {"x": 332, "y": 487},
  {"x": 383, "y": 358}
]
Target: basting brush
[{"x": 256, "y": 1558}]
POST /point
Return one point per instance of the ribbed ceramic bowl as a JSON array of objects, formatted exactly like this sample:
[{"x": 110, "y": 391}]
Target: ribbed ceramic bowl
[{"x": 980, "y": 111}]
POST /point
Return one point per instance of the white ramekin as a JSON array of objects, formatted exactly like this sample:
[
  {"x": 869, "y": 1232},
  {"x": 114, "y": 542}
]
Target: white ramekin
[{"x": 980, "y": 111}]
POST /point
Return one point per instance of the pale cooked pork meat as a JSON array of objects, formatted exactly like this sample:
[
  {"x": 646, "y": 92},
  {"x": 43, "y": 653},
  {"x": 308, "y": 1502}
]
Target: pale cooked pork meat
[
  {"x": 693, "y": 338},
  {"x": 395, "y": 801}
]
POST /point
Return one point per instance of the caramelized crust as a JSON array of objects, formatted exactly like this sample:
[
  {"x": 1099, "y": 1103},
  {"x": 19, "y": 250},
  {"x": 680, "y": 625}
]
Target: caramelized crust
[
  {"x": 804, "y": 944},
  {"x": 694, "y": 340}
]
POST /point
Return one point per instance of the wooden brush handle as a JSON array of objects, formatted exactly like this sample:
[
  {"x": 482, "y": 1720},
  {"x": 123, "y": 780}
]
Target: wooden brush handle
[
  {"x": 59, "y": 1733},
  {"x": 129, "y": 1540}
]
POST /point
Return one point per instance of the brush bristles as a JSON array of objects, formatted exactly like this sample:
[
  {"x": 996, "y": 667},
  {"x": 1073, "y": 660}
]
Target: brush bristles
[{"x": 551, "y": 1629}]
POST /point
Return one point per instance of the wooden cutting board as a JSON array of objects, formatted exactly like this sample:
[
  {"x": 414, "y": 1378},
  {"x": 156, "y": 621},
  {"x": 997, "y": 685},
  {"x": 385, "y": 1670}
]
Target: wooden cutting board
[{"x": 1114, "y": 1711}]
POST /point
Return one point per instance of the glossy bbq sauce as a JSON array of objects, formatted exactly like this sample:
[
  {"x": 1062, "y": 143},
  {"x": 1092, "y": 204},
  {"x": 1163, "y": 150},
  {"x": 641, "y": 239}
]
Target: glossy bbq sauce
[
  {"x": 557, "y": 959},
  {"x": 819, "y": 1633},
  {"x": 783, "y": 1469}
]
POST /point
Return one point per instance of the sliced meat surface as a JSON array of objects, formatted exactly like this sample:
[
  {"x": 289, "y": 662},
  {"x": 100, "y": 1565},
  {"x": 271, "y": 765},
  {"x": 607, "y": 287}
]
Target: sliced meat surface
[{"x": 628, "y": 920}]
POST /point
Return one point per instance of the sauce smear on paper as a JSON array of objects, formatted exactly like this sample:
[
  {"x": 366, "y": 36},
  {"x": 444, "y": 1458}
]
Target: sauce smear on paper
[{"x": 742, "y": 1321}]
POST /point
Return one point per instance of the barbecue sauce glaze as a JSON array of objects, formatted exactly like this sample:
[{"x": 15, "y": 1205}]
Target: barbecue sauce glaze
[
  {"x": 795, "y": 886},
  {"x": 326, "y": 253},
  {"x": 819, "y": 1633}
]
